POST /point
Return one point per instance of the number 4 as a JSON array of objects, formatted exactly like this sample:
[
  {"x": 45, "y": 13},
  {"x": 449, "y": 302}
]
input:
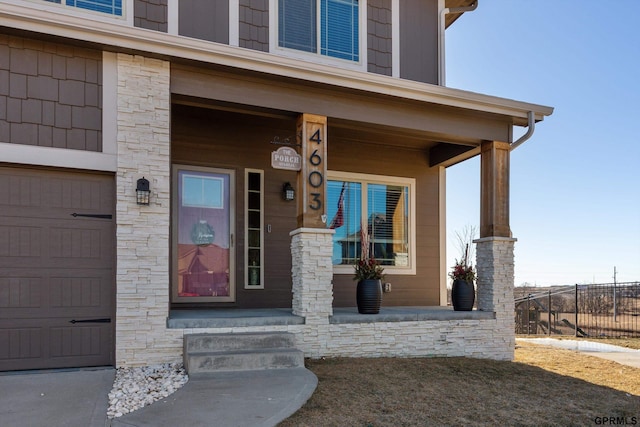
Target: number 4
[{"x": 316, "y": 137}]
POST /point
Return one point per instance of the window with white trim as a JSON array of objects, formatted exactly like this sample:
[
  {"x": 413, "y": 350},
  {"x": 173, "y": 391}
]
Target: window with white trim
[
  {"x": 254, "y": 229},
  {"x": 111, "y": 7},
  {"x": 325, "y": 27},
  {"x": 386, "y": 206}
]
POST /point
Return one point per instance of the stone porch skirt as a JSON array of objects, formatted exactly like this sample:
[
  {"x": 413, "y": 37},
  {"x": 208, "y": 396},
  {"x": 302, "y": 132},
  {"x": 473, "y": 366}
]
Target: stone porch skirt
[{"x": 394, "y": 332}]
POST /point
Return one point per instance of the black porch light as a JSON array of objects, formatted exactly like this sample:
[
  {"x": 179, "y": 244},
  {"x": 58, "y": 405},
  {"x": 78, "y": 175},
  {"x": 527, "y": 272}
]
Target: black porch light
[
  {"x": 142, "y": 191},
  {"x": 288, "y": 193}
]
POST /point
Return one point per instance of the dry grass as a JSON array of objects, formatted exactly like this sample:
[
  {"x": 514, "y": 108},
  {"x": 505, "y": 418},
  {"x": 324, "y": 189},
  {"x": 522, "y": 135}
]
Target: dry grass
[
  {"x": 588, "y": 368},
  {"x": 543, "y": 387}
]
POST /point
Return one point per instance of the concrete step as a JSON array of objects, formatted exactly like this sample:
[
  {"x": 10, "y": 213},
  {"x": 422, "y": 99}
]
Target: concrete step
[
  {"x": 199, "y": 343},
  {"x": 208, "y": 353},
  {"x": 243, "y": 360}
]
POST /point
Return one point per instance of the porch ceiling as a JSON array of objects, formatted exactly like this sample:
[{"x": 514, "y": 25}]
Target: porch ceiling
[{"x": 436, "y": 122}]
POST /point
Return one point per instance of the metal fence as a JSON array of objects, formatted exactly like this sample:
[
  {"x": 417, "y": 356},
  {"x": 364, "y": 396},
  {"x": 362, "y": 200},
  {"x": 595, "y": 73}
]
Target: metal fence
[{"x": 597, "y": 310}]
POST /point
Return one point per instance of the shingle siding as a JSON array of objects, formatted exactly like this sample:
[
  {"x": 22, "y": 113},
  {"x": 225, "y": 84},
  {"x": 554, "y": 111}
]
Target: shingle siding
[
  {"x": 150, "y": 14},
  {"x": 50, "y": 94},
  {"x": 379, "y": 44}
]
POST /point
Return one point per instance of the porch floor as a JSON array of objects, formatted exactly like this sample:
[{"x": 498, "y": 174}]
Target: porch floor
[{"x": 225, "y": 318}]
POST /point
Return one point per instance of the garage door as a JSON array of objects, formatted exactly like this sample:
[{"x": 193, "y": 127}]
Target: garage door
[{"x": 57, "y": 286}]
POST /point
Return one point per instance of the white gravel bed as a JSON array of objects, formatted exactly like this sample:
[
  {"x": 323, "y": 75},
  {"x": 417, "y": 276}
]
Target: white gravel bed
[{"x": 135, "y": 388}]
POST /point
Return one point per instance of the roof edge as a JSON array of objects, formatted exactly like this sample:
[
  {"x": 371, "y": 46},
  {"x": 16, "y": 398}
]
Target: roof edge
[{"x": 124, "y": 37}]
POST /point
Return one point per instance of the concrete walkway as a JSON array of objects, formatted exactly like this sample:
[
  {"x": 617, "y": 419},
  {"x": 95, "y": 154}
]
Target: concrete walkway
[
  {"x": 622, "y": 355},
  {"x": 78, "y": 398},
  {"x": 238, "y": 399},
  {"x": 75, "y": 398}
]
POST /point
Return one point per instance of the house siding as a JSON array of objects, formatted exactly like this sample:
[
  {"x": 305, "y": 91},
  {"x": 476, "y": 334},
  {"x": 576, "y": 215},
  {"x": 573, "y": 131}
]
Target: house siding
[
  {"x": 419, "y": 40},
  {"x": 47, "y": 87},
  {"x": 204, "y": 20},
  {"x": 50, "y": 94},
  {"x": 203, "y": 137},
  {"x": 150, "y": 14},
  {"x": 254, "y": 24},
  {"x": 423, "y": 287},
  {"x": 379, "y": 42}
]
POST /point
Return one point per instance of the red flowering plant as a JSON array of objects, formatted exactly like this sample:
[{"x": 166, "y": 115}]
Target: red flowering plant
[
  {"x": 462, "y": 270},
  {"x": 367, "y": 267}
]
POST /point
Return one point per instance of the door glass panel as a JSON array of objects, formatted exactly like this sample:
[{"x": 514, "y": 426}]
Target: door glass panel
[{"x": 203, "y": 235}]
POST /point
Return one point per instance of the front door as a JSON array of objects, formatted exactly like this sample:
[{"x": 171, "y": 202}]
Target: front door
[{"x": 203, "y": 234}]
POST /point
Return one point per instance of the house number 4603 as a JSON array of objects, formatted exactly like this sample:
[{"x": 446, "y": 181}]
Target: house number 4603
[{"x": 315, "y": 178}]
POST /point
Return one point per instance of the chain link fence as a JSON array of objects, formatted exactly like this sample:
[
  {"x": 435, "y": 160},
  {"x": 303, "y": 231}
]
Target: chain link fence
[{"x": 597, "y": 310}]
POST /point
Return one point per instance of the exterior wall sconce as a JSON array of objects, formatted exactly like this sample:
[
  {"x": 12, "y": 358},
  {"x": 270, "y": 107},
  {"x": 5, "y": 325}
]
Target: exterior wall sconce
[
  {"x": 288, "y": 193},
  {"x": 142, "y": 191}
]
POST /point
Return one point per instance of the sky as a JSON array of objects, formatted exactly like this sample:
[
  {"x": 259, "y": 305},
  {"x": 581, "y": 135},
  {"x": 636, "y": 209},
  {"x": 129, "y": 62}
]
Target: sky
[{"x": 575, "y": 184}]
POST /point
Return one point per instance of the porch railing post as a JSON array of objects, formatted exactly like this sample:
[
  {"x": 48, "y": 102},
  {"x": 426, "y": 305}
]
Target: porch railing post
[
  {"x": 576, "y": 307},
  {"x": 549, "y": 317}
]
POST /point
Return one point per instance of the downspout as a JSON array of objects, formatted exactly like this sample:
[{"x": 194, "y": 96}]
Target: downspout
[
  {"x": 441, "y": 28},
  {"x": 530, "y": 130}
]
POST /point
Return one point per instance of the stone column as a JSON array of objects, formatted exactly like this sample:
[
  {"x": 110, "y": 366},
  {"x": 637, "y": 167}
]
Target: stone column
[
  {"x": 495, "y": 266},
  {"x": 312, "y": 273},
  {"x": 142, "y": 275}
]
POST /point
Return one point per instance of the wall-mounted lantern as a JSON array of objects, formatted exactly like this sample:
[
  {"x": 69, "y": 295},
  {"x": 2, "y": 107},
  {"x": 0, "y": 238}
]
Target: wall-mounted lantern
[
  {"x": 288, "y": 193},
  {"x": 142, "y": 191}
]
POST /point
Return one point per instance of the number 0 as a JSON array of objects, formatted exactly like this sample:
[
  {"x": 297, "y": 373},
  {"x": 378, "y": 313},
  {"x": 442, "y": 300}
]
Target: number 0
[{"x": 315, "y": 179}]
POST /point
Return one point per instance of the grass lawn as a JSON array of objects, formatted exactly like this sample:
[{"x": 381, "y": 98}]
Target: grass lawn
[{"x": 544, "y": 386}]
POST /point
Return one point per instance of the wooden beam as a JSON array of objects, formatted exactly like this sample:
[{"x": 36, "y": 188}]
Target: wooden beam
[
  {"x": 494, "y": 189},
  {"x": 443, "y": 152},
  {"x": 312, "y": 179}
]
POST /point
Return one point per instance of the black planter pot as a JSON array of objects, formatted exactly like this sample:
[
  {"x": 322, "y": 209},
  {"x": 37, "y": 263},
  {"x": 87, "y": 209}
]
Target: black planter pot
[
  {"x": 463, "y": 295},
  {"x": 369, "y": 296}
]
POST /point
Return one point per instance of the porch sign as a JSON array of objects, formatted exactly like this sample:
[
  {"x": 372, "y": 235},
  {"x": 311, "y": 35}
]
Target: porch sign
[
  {"x": 312, "y": 183},
  {"x": 286, "y": 158}
]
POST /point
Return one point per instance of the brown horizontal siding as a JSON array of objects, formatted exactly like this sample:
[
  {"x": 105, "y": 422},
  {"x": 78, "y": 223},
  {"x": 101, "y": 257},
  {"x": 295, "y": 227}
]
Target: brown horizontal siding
[
  {"x": 220, "y": 139},
  {"x": 50, "y": 94},
  {"x": 419, "y": 40},
  {"x": 423, "y": 288},
  {"x": 204, "y": 20},
  {"x": 217, "y": 139}
]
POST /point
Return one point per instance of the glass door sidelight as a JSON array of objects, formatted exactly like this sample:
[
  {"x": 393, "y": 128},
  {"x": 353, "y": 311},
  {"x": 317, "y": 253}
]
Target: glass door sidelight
[
  {"x": 203, "y": 234},
  {"x": 254, "y": 229}
]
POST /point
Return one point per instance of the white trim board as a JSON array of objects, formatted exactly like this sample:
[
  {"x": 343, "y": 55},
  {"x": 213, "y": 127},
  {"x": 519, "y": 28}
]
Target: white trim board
[{"x": 57, "y": 157}]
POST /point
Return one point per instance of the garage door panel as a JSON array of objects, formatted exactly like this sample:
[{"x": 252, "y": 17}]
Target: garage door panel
[
  {"x": 19, "y": 292},
  {"x": 53, "y": 194},
  {"x": 18, "y": 242},
  {"x": 55, "y": 243},
  {"x": 61, "y": 293},
  {"x": 20, "y": 342},
  {"x": 32, "y": 345},
  {"x": 85, "y": 340},
  {"x": 57, "y": 287},
  {"x": 78, "y": 244}
]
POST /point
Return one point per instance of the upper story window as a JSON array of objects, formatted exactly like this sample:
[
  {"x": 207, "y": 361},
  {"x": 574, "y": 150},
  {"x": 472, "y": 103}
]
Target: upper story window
[
  {"x": 325, "y": 27},
  {"x": 112, "y": 7}
]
